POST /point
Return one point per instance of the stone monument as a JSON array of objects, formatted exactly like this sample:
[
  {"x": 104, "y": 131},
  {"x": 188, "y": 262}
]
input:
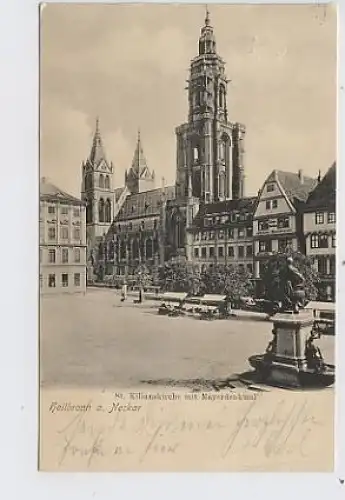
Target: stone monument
[{"x": 291, "y": 358}]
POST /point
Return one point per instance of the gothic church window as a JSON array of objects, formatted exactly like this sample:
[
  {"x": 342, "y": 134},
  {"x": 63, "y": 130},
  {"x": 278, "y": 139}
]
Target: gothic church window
[
  {"x": 107, "y": 182},
  {"x": 101, "y": 210},
  {"x": 101, "y": 181},
  {"x": 149, "y": 248},
  {"x": 108, "y": 211}
]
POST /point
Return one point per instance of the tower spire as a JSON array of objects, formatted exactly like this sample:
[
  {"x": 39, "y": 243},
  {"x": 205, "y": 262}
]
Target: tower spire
[
  {"x": 207, "y": 18},
  {"x": 97, "y": 152},
  {"x": 207, "y": 41}
]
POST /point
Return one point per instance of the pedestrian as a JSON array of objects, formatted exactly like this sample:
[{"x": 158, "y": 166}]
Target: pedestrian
[{"x": 124, "y": 292}]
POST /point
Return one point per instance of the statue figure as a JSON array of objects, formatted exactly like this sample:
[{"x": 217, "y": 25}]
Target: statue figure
[{"x": 292, "y": 288}]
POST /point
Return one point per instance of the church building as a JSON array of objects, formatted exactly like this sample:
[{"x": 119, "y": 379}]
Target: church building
[{"x": 142, "y": 223}]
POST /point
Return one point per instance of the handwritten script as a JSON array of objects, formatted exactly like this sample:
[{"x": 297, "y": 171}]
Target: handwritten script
[{"x": 139, "y": 432}]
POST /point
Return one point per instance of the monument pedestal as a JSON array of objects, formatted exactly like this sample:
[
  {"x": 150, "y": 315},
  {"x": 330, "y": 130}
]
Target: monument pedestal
[{"x": 286, "y": 361}]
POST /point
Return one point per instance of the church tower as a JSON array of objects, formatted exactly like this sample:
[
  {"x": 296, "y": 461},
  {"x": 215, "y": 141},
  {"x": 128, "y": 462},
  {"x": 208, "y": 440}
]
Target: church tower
[
  {"x": 139, "y": 178},
  {"x": 97, "y": 190},
  {"x": 209, "y": 147}
]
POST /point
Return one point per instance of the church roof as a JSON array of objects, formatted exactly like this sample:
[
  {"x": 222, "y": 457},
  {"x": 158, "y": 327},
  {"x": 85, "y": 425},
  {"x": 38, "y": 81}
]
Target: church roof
[
  {"x": 324, "y": 194},
  {"x": 296, "y": 187},
  {"x": 144, "y": 204},
  {"x": 51, "y": 192}
]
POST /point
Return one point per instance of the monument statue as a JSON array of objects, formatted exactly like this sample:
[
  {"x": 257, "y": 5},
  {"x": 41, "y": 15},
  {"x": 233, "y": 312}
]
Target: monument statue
[{"x": 293, "y": 288}]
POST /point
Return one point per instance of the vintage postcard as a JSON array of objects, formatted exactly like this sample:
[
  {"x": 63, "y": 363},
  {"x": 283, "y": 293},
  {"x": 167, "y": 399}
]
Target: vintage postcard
[{"x": 187, "y": 237}]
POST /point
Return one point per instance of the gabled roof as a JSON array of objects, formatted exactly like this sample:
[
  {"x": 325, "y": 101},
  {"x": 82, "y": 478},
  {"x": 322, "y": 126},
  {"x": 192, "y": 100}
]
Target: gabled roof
[
  {"x": 51, "y": 192},
  {"x": 296, "y": 187},
  {"x": 324, "y": 194},
  {"x": 144, "y": 204}
]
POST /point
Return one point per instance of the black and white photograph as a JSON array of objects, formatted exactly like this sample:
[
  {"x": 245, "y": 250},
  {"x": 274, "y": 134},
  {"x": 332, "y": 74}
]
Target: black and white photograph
[{"x": 187, "y": 237}]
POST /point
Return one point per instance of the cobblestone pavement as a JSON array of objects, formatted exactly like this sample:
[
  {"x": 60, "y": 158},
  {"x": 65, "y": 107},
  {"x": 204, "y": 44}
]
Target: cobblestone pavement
[{"x": 95, "y": 340}]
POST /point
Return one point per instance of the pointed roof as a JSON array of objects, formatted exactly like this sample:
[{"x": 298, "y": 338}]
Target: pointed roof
[
  {"x": 51, "y": 192},
  {"x": 296, "y": 186},
  {"x": 324, "y": 194},
  {"x": 139, "y": 166},
  {"x": 207, "y": 31},
  {"x": 97, "y": 154}
]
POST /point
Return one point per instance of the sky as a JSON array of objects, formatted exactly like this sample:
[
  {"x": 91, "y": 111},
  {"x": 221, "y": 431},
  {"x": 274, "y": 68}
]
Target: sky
[{"x": 128, "y": 65}]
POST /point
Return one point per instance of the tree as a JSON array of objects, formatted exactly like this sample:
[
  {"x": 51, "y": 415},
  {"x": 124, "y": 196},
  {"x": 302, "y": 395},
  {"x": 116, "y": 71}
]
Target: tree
[
  {"x": 272, "y": 280},
  {"x": 179, "y": 277},
  {"x": 233, "y": 281}
]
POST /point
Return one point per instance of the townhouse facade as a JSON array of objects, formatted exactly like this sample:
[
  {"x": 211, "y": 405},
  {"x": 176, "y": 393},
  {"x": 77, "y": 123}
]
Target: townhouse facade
[
  {"x": 222, "y": 233},
  {"x": 62, "y": 249},
  {"x": 320, "y": 232},
  {"x": 278, "y": 215}
]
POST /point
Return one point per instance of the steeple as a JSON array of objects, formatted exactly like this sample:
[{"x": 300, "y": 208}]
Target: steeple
[
  {"x": 207, "y": 40},
  {"x": 97, "y": 154},
  {"x": 139, "y": 164},
  {"x": 139, "y": 178}
]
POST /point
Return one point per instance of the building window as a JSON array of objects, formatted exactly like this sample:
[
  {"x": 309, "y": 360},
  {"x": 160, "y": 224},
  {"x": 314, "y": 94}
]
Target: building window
[
  {"x": 323, "y": 241},
  {"x": 51, "y": 280},
  {"x": 211, "y": 235},
  {"x": 334, "y": 244},
  {"x": 265, "y": 246},
  {"x": 76, "y": 212},
  {"x": 211, "y": 252},
  {"x": 322, "y": 265},
  {"x": 250, "y": 268},
  {"x": 107, "y": 182},
  {"x": 331, "y": 217},
  {"x": 77, "y": 255},
  {"x": 241, "y": 232},
  {"x": 263, "y": 225},
  {"x": 231, "y": 251},
  {"x": 51, "y": 256},
  {"x": 268, "y": 205},
  {"x": 41, "y": 281},
  {"x": 283, "y": 222},
  {"x": 76, "y": 233},
  {"x": 64, "y": 210},
  {"x": 204, "y": 235},
  {"x": 64, "y": 281},
  {"x": 240, "y": 252},
  {"x": 314, "y": 241},
  {"x": 203, "y": 252},
  {"x": 64, "y": 255},
  {"x": 221, "y": 252},
  {"x": 51, "y": 209},
  {"x": 231, "y": 233},
  {"x": 270, "y": 188},
  {"x": 275, "y": 204},
  {"x": 332, "y": 266},
  {"x": 221, "y": 234},
  {"x": 64, "y": 233},
  {"x": 249, "y": 231},
  {"x": 76, "y": 279},
  {"x": 51, "y": 233},
  {"x": 196, "y": 253},
  {"x": 249, "y": 250},
  {"x": 319, "y": 218}
]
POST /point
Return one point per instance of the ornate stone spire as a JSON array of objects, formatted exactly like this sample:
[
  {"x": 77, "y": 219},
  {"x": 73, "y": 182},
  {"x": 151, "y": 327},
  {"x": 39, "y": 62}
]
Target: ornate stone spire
[
  {"x": 97, "y": 151},
  {"x": 207, "y": 40},
  {"x": 139, "y": 164}
]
